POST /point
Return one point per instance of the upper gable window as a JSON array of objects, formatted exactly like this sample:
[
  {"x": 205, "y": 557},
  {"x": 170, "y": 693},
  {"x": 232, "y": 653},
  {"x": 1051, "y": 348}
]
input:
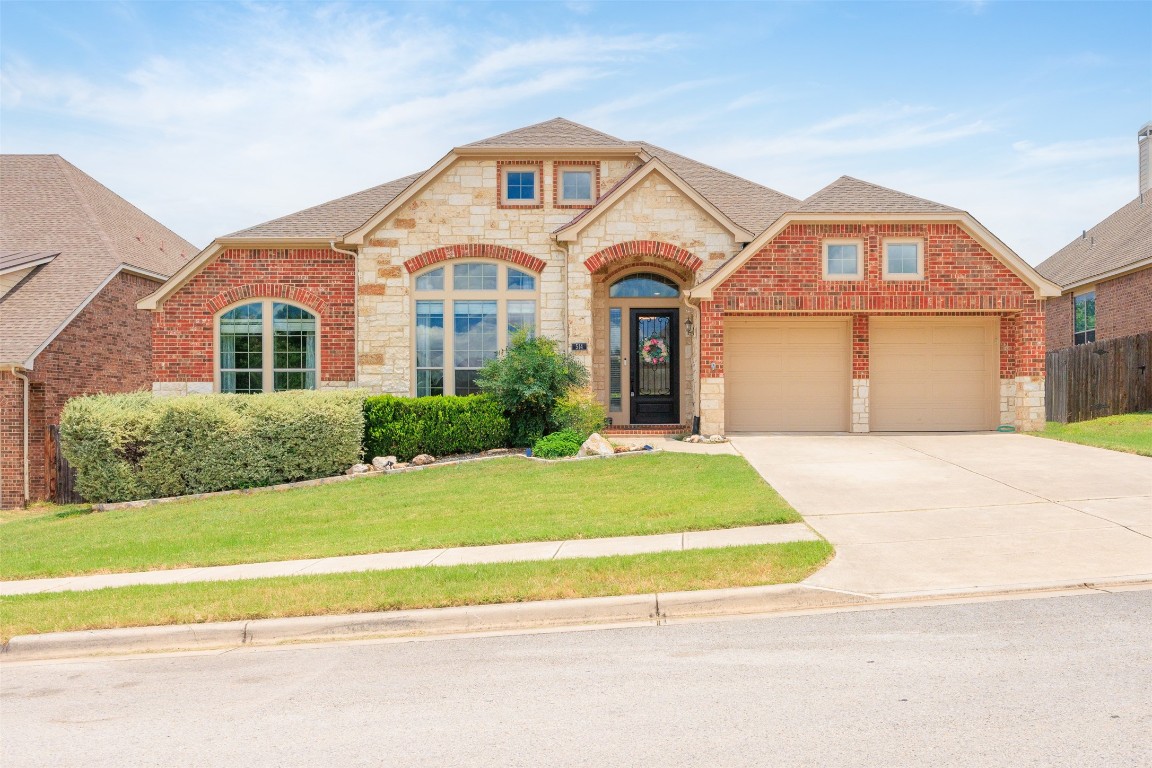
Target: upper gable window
[
  {"x": 903, "y": 260},
  {"x": 521, "y": 185},
  {"x": 576, "y": 186},
  {"x": 843, "y": 260},
  {"x": 575, "y": 183}
]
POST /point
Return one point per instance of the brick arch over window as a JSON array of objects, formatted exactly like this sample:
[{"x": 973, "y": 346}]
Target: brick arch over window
[
  {"x": 675, "y": 271},
  {"x": 266, "y": 291},
  {"x": 475, "y": 251},
  {"x": 643, "y": 248}
]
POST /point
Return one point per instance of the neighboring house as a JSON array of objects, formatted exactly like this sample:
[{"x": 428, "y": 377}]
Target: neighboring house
[
  {"x": 1106, "y": 274},
  {"x": 690, "y": 293},
  {"x": 74, "y": 260}
]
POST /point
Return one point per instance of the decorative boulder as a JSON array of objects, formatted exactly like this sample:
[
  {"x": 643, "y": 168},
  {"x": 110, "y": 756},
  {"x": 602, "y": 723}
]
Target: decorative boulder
[
  {"x": 693, "y": 439},
  {"x": 596, "y": 445},
  {"x": 381, "y": 463},
  {"x": 423, "y": 459},
  {"x": 402, "y": 465},
  {"x": 717, "y": 439},
  {"x": 359, "y": 469}
]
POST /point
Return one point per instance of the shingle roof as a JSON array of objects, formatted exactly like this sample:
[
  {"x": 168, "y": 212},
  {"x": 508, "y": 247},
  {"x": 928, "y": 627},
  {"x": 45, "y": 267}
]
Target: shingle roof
[
  {"x": 752, "y": 206},
  {"x": 10, "y": 260},
  {"x": 557, "y": 132},
  {"x": 49, "y": 205},
  {"x": 849, "y": 195},
  {"x": 1122, "y": 239},
  {"x": 334, "y": 218}
]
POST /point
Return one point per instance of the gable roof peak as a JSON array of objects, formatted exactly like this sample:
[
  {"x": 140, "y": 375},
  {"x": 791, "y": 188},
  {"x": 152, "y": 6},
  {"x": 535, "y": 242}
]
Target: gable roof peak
[
  {"x": 557, "y": 132},
  {"x": 851, "y": 195}
]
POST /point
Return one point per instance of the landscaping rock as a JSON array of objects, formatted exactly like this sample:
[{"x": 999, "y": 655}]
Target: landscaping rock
[
  {"x": 596, "y": 445},
  {"x": 359, "y": 469},
  {"x": 401, "y": 465},
  {"x": 497, "y": 451},
  {"x": 694, "y": 439},
  {"x": 381, "y": 463},
  {"x": 717, "y": 439},
  {"x": 423, "y": 459}
]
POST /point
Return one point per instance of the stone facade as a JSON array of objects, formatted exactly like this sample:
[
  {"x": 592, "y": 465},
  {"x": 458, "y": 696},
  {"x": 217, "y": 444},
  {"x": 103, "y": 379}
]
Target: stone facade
[{"x": 104, "y": 349}]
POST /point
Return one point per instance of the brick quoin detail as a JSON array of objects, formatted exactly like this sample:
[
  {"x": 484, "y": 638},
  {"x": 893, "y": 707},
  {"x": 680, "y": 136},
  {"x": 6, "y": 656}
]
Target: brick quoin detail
[
  {"x": 643, "y": 248},
  {"x": 962, "y": 279},
  {"x": 266, "y": 291},
  {"x": 183, "y": 343},
  {"x": 475, "y": 251}
]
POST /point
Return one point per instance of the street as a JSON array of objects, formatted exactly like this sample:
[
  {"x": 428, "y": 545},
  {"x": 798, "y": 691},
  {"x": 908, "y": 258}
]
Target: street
[{"x": 1060, "y": 681}]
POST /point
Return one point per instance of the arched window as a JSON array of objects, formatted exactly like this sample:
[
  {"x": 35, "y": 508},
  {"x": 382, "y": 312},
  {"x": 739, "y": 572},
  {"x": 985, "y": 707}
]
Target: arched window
[
  {"x": 644, "y": 285},
  {"x": 267, "y": 346},
  {"x": 465, "y": 313}
]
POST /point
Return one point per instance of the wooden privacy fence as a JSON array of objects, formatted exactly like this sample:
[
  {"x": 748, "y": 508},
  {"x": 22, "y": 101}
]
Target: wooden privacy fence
[
  {"x": 1099, "y": 379},
  {"x": 61, "y": 476}
]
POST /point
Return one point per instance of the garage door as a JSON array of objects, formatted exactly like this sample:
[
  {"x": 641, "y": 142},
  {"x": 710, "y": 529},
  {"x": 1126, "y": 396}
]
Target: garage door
[
  {"x": 933, "y": 374},
  {"x": 787, "y": 375}
]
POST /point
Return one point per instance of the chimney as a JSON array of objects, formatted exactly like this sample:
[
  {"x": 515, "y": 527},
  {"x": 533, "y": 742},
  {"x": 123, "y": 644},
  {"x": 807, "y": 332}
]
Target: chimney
[{"x": 1144, "y": 142}]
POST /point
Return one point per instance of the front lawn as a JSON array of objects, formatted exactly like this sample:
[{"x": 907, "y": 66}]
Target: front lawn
[
  {"x": 427, "y": 587},
  {"x": 1129, "y": 432},
  {"x": 488, "y": 502}
]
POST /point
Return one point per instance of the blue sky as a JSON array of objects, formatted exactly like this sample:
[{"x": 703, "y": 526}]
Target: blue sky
[{"x": 213, "y": 117}]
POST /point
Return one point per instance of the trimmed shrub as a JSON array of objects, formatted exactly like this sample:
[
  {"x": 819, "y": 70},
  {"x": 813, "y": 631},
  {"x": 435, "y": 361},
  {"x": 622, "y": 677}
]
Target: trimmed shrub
[
  {"x": 126, "y": 447},
  {"x": 579, "y": 410},
  {"x": 527, "y": 380},
  {"x": 405, "y": 427},
  {"x": 557, "y": 445}
]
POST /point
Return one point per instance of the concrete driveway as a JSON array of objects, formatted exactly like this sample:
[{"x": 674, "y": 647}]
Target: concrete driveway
[{"x": 927, "y": 512}]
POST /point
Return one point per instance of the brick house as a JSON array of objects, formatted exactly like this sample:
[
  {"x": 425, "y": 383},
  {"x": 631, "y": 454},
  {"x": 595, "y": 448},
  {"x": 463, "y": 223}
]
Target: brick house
[
  {"x": 74, "y": 260},
  {"x": 689, "y": 292},
  {"x": 1105, "y": 275}
]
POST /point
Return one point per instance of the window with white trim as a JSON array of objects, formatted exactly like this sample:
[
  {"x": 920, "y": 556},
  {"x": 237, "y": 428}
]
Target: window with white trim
[
  {"x": 1084, "y": 317},
  {"x": 843, "y": 260},
  {"x": 464, "y": 319},
  {"x": 903, "y": 260},
  {"x": 266, "y": 346}
]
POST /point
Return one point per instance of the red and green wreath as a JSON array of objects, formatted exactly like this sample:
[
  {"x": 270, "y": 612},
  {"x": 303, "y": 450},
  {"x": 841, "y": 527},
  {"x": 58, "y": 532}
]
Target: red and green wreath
[{"x": 654, "y": 351}]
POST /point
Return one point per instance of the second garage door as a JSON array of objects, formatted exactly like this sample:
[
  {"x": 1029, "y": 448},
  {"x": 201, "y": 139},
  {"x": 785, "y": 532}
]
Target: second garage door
[
  {"x": 791, "y": 375},
  {"x": 933, "y": 374}
]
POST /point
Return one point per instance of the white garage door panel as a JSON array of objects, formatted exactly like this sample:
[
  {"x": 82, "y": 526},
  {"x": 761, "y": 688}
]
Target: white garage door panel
[
  {"x": 787, "y": 375},
  {"x": 933, "y": 374}
]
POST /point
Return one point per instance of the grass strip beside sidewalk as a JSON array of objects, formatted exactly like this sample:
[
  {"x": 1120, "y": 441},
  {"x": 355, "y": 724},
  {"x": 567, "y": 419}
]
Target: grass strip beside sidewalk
[
  {"x": 489, "y": 502},
  {"x": 1130, "y": 432},
  {"x": 425, "y": 587}
]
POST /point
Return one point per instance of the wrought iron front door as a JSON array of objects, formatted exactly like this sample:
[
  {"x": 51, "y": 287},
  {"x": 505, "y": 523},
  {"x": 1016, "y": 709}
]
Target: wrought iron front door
[{"x": 655, "y": 390}]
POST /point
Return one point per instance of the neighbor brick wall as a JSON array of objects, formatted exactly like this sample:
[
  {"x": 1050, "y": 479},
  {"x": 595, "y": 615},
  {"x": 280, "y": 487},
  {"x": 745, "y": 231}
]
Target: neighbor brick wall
[
  {"x": 106, "y": 348},
  {"x": 961, "y": 278},
  {"x": 1123, "y": 308},
  {"x": 1124, "y": 305},
  {"x": 318, "y": 278}
]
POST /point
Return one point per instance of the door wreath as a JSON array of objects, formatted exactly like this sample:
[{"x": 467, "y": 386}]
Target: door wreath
[{"x": 654, "y": 351}]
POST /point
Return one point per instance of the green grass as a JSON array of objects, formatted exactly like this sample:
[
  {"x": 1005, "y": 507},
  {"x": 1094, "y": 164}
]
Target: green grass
[
  {"x": 427, "y": 587},
  {"x": 1130, "y": 432},
  {"x": 489, "y": 502}
]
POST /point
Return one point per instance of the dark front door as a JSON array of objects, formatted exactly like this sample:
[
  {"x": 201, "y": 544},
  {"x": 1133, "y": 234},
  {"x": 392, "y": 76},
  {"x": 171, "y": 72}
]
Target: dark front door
[{"x": 655, "y": 366}]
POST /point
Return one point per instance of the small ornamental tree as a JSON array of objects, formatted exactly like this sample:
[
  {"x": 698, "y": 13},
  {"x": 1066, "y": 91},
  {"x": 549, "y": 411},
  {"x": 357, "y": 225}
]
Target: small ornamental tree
[{"x": 527, "y": 380}]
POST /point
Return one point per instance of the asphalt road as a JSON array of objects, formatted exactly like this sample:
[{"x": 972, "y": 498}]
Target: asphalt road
[{"x": 1045, "y": 682}]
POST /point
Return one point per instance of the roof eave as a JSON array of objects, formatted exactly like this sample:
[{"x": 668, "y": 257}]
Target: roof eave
[
  {"x": 1112, "y": 274},
  {"x": 551, "y": 150}
]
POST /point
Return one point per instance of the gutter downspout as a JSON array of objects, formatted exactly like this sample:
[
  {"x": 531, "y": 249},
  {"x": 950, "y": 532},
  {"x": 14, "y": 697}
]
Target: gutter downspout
[
  {"x": 355, "y": 306},
  {"x": 24, "y": 378}
]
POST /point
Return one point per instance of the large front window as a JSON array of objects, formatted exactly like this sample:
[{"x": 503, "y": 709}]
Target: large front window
[
  {"x": 482, "y": 304},
  {"x": 267, "y": 346},
  {"x": 1084, "y": 318}
]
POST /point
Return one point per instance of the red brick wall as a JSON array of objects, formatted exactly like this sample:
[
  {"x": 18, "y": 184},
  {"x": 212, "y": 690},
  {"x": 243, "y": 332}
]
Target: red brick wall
[
  {"x": 961, "y": 278},
  {"x": 106, "y": 348},
  {"x": 319, "y": 278},
  {"x": 1124, "y": 306}
]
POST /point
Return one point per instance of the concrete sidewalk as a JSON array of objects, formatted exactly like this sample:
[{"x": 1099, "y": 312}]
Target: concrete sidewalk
[
  {"x": 499, "y": 553},
  {"x": 912, "y": 514}
]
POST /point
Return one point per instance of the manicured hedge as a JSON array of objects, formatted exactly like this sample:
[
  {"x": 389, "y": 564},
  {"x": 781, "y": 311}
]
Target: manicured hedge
[
  {"x": 136, "y": 446},
  {"x": 405, "y": 427}
]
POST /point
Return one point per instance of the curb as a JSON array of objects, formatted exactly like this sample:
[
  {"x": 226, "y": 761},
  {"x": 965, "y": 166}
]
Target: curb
[{"x": 652, "y": 609}]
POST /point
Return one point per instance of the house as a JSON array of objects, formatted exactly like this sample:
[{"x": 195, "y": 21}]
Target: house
[
  {"x": 74, "y": 260},
  {"x": 695, "y": 297},
  {"x": 1105, "y": 275}
]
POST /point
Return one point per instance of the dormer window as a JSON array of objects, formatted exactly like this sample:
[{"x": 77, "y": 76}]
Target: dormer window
[{"x": 520, "y": 185}]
